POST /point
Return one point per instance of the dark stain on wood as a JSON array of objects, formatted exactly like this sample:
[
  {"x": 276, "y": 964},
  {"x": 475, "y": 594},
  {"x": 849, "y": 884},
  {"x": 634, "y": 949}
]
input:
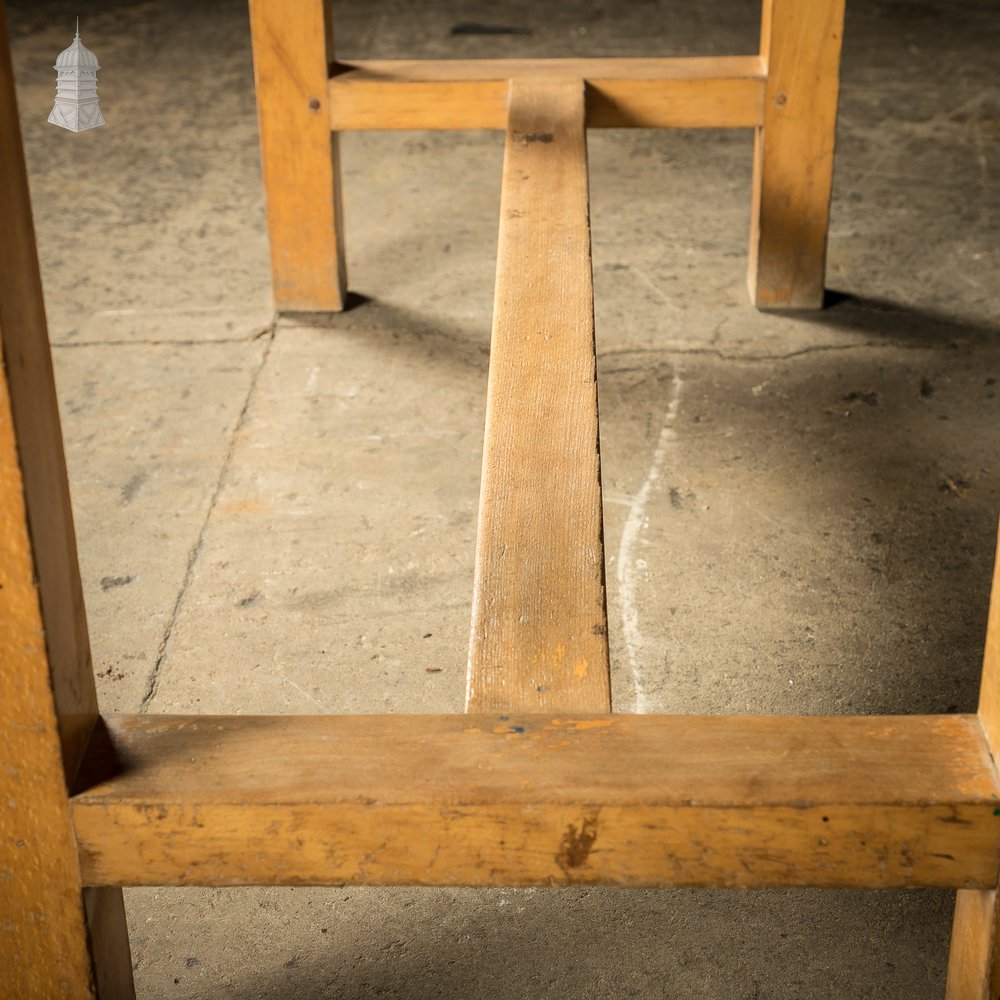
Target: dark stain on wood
[
  {"x": 527, "y": 138},
  {"x": 576, "y": 845}
]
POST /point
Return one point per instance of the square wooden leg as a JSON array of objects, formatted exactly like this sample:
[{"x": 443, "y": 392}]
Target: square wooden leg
[
  {"x": 56, "y": 943},
  {"x": 974, "y": 961},
  {"x": 793, "y": 153},
  {"x": 292, "y": 56},
  {"x": 973, "y": 972}
]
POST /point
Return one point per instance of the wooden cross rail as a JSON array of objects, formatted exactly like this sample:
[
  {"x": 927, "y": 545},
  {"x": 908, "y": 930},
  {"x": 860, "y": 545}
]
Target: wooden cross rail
[
  {"x": 504, "y": 799},
  {"x": 540, "y": 784},
  {"x": 716, "y": 92},
  {"x": 787, "y": 92}
]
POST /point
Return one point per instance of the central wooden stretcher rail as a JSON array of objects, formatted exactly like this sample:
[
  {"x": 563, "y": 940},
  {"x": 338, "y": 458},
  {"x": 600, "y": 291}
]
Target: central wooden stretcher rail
[{"x": 539, "y": 783}]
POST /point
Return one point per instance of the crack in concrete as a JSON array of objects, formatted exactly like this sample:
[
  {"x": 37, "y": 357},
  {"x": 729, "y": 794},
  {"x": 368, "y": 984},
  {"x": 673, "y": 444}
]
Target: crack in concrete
[
  {"x": 754, "y": 358},
  {"x": 484, "y": 350},
  {"x": 153, "y": 684},
  {"x": 256, "y": 335},
  {"x": 800, "y": 352}
]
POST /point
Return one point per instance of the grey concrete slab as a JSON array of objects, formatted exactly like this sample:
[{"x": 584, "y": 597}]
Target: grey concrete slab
[
  {"x": 800, "y": 536},
  {"x": 419, "y": 247},
  {"x": 357, "y": 943},
  {"x": 800, "y": 510},
  {"x": 336, "y": 569},
  {"x": 148, "y": 432},
  {"x": 151, "y": 227}
]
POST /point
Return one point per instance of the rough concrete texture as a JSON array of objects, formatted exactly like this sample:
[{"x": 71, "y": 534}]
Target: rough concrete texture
[{"x": 800, "y": 510}]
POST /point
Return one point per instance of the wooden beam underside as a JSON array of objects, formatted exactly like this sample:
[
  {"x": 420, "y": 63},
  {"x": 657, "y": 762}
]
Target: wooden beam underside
[
  {"x": 493, "y": 800},
  {"x": 712, "y": 92}
]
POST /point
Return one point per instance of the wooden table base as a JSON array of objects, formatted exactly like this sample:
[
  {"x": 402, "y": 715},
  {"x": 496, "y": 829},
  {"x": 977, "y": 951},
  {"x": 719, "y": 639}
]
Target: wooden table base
[{"x": 540, "y": 784}]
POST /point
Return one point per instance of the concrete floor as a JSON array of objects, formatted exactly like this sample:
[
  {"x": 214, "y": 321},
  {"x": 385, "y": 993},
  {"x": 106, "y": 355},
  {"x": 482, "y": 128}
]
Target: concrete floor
[{"x": 800, "y": 510}]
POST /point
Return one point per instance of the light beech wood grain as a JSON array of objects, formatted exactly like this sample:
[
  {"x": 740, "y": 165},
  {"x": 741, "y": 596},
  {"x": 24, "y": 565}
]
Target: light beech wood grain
[
  {"x": 713, "y": 92},
  {"x": 540, "y": 785},
  {"x": 973, "y": 963},
  {"x": 539, "y": 623},
  {"x": 974, "y": 959},
  {"x": 517, "y": 799},
  {"x": 300, "y": 162},
  {"x": 793, "y": 152},
  {"x": 48, "y": 702}
]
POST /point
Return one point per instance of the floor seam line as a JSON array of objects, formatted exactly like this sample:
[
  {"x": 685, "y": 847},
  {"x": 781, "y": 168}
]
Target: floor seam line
[
  {"x": 760, "y": 358},
  {"x": 153, "y": 684},
  {"x": 249, "y": 339}
]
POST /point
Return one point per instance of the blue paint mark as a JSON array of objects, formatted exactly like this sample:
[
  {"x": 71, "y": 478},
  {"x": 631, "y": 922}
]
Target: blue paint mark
[{"x": 520, "y": 729}]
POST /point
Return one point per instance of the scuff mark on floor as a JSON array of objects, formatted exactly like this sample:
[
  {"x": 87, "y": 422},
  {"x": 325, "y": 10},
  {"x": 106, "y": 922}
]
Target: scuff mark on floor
[{"x": 302, "y": 691}]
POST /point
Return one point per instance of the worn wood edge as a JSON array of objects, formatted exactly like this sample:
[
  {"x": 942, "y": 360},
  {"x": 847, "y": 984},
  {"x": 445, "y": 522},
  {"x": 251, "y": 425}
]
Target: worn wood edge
[
  {"x": 539, "y": 800},
  {"x": 637, "y": 93}
]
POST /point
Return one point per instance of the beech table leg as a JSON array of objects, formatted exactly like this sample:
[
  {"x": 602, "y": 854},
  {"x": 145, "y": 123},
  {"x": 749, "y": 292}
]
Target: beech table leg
[
  {"x": 974, "y": 962},
  {"x": 793, "y": 154},
  {"x": 55, "y": 944},
  {"x": 292, "y": 56}
]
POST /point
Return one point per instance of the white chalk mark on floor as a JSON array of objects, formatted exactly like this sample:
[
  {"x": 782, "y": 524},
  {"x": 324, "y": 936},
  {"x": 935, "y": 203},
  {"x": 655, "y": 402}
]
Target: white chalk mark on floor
[
  {"x": 629, "y": 565},
  {"x": 647, "y": 280},
  {"x": 302, "y": 691}
]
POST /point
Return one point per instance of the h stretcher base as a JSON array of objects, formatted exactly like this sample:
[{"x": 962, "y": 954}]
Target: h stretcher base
[{"x": 539, "y": 783}]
